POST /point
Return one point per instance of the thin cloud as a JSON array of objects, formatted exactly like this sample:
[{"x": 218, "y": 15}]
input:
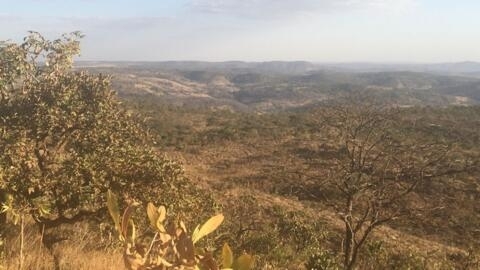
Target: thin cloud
[
  {"x": 276, "y": 8},
  {"x": 60, "y": 22},
  {"x": 125, "y": 23}
]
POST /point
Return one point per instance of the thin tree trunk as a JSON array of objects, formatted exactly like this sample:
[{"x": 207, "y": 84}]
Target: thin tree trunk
[
  {"x": 22, "y": 240},
  {"x": 349, "y": 235}
]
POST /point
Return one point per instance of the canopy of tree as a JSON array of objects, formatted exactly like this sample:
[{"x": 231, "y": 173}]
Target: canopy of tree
[{"x": 65, "y": 138}]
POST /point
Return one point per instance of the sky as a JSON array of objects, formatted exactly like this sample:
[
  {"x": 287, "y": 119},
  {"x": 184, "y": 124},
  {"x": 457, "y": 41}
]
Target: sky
[{"x": 327, "y": 31}]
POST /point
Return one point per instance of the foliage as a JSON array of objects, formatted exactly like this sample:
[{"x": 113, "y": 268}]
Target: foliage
[
  {"x": 408, "y": 261},
  {"x": 171, "y": 246},
  {"x": 322, "y": 260},
  {"x": 375, "y": 254},
  {"x": 305, "y": 233},
  {"x": 65, "y": 138}
]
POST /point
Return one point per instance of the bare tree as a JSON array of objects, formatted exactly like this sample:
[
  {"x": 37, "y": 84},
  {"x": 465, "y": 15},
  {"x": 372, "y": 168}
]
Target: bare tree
[{"x": 381, "y": 160}]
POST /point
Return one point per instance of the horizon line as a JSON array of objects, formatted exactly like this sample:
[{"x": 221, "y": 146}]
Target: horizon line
[{"x": 288, "y": 61}]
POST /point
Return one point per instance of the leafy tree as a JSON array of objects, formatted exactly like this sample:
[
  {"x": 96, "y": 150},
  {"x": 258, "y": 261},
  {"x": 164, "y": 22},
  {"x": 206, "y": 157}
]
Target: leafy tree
[{"x": 66, "y": 139}]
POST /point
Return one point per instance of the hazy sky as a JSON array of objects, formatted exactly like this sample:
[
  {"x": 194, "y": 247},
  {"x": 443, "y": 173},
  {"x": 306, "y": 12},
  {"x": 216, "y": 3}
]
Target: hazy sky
[{"x": 256, "y": 30}]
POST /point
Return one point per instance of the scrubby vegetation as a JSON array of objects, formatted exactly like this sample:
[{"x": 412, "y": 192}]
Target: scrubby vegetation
[
  {"x": 291, "y": 164},
  {"x": 348, "y": 183}
]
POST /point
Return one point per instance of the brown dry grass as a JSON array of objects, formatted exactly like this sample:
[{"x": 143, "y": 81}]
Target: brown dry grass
[
  {"x": 242, "y": 164},
  {"x": 74, "y": 254}
]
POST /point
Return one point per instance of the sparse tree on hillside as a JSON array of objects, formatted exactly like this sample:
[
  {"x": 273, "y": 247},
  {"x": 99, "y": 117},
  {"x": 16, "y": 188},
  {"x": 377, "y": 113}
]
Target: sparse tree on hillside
[{"x": 378, "y": 167}]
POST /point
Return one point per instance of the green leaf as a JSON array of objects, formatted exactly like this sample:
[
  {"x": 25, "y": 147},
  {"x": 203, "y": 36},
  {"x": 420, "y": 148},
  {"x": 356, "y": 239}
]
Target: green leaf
[
  {"x": 133, "y": 232},
  {"x": 156, "y": 216},
  {"x": 126, "y": 220},
  {"x": 208, "y": 227},
  {"x": 195, "y": 232},
  {"x": 227, "y": 256},
  {"x": 244, "y": 262},
  {"x": 152, "y": 214},
  {"x": 162, "y": 213}
]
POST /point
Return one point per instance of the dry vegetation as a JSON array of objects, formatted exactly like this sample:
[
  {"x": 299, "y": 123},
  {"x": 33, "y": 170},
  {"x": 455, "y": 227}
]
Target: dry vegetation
[
  {"x": 281, "y": 160},
  {"x": 328, "y": 186},
  {"x": 79, "y": 251}
]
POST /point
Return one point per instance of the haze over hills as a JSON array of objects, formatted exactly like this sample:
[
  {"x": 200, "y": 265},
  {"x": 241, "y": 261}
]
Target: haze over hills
[
  {"x": 467, "y": 68},
  {"x": 266, "y": 86}
]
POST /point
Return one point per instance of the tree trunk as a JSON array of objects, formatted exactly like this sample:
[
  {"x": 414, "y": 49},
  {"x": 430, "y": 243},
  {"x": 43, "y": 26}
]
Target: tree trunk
[
  {"x": 349, "y": 236},
  {"x": 348, "y": 248}
]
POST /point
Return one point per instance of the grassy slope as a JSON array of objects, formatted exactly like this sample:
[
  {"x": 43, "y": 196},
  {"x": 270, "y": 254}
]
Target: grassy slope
[
  {"x": 261, "y": 156},
  {"x": 255, "y": 164}
]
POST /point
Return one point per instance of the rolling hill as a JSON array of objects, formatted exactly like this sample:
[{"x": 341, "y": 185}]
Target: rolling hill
[{"x": 284, "y": 85}]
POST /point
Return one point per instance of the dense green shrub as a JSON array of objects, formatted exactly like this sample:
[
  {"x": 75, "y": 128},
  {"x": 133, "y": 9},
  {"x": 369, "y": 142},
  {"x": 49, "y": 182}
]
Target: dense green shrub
[{"x": 65, "y": 139}]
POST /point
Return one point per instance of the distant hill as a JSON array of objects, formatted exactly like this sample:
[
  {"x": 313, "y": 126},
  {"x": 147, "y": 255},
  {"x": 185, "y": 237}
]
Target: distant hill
[
  {"x": 460, "y": 68},
  {"x": 282, "y": 85},
  {"x": 467, "y": 68},
  {"x": 280, "y": 67}
]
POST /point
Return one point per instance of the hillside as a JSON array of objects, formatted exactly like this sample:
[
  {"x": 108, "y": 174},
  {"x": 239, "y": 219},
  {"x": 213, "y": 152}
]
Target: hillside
[
  {"x": 273, "y": 165},
  {"x": 240, "y": 135},
  {"x": 284, "y": 85},
  {"x": 254, "y": 138},
  {"x": 306, "y": 165}
]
